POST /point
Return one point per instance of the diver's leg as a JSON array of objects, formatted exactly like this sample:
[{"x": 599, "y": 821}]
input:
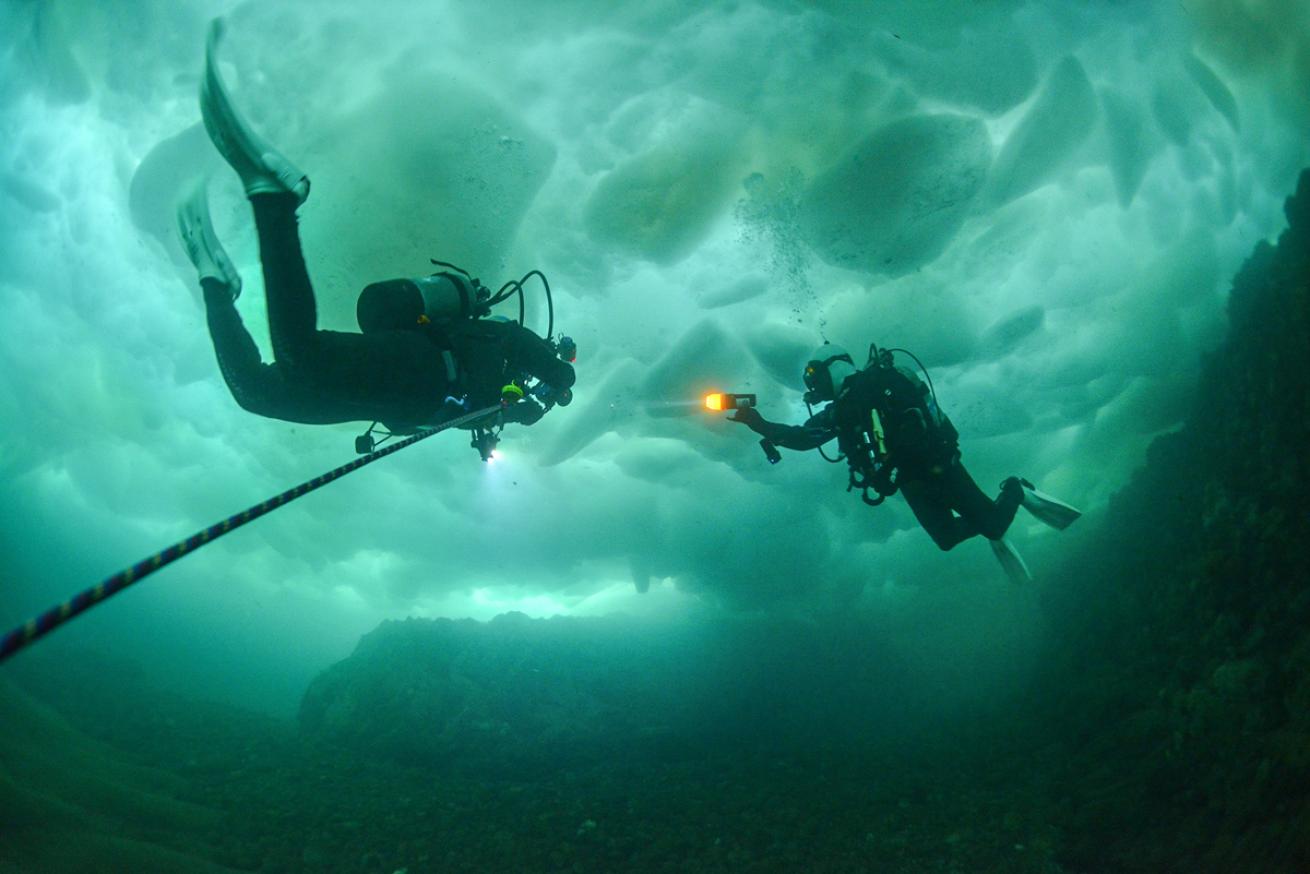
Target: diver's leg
[
  {"x": 342, "y": 376},
  {"x": 359, "y": 382},
  {"x": 394, "y": 374},
  {"x": 327, "y": 377},
  {"x": 260, "y": 388},
  {"x": 262, "y": 168},
  {"x": 292, "y": 312},
  {"x": 263, "y": 389},
  {"x": 238, "y": 356},
  {"x": 257, "y": 387},
  {"x": 931, "y": 506},
  {"x": 275, "y": 189},
  {"x": 990, "y": 518}
]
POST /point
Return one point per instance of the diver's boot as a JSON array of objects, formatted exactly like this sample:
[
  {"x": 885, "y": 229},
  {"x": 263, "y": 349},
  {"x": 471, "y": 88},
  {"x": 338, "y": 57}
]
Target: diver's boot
[
  {"x": 201, "y": 245},
  {"x": 262, "y": 168},
  {"x": 1012, "y": 492}
]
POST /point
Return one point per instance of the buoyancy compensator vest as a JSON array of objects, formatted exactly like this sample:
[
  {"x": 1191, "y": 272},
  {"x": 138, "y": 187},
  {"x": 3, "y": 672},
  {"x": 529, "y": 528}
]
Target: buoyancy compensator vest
[{"x": 887, "y": 418}]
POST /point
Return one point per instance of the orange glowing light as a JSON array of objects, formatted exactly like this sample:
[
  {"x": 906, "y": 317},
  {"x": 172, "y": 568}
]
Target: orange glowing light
[{"x": 714, "y": 401}]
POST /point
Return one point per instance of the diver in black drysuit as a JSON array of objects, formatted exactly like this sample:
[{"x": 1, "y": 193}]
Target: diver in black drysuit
[
  {"x": 909, "y": 445},
  {"x": 394, "y": 376},
  {"x": 407, "y": 370}
]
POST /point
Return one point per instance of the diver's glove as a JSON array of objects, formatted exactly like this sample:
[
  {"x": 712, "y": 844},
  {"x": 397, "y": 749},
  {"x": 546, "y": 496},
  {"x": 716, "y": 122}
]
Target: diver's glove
[
  {"x": 525, "y": 412},
  {"x": 750, "y": 417}
]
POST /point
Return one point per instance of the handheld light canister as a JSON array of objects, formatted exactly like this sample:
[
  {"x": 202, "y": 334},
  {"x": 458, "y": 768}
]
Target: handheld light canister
[
  {"x": 718, "y": 402},
  {"x": 722, "y": 402},
  {"x": 485, "y": 442}
]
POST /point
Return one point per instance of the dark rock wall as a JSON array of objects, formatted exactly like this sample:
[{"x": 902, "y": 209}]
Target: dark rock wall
[{"x": 1179, "y": 685}]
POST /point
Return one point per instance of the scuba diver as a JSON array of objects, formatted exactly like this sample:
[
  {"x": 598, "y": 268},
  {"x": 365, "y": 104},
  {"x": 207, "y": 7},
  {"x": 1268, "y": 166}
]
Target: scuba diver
[
  {"x": 425, "y": 354},
  {"x": 894, "y": 437}
]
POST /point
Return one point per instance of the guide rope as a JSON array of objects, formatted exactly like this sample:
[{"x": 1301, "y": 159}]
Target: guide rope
[{"x": 34, "y": 629}]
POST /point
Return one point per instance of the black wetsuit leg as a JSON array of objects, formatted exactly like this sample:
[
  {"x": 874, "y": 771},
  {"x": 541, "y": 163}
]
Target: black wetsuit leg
[
  {"x": 318, "y": 377},
  {"x": 936, "y": 498},
  {"x": 257, "y": 387}
]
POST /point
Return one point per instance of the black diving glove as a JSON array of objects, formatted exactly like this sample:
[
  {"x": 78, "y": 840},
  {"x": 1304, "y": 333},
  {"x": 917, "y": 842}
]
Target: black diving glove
[
  {"x": 524, "y": 412},
  {"x": 750, "y": 417}
]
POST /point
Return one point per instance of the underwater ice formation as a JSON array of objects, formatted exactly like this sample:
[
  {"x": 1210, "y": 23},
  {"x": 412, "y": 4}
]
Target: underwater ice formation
[
  {"x": 895, "y": 201},
  {"x": 1128, "y": 143},
  {"x": 658, "y": 205},
  {"x": 1057, "y": 123}
]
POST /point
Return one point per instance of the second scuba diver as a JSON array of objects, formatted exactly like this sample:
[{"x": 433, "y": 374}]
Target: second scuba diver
[
  {"x": 424, "y": 357},
  {"x": 894, "y": 437}
]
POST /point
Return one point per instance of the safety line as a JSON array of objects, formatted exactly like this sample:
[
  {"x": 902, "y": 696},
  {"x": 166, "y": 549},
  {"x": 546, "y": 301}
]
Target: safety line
[{"x": 34, "y": 629}]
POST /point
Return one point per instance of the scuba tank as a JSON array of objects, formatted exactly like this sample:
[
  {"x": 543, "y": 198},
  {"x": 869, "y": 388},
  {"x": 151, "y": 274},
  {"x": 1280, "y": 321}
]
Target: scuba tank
[{"x": 400, "y": 304}]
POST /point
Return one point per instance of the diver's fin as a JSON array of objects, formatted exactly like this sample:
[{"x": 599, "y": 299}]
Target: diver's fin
[
  {"x": 1052, "y": 511},
  {"x": 201, "y": 245},
  {"x": 262, "y": 168},
  {"x": 1012, "y": 563}
]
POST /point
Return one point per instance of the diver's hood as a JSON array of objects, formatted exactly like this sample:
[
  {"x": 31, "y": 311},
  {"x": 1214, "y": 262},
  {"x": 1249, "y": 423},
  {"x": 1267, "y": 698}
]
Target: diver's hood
[{"x": 829, "y": 367}]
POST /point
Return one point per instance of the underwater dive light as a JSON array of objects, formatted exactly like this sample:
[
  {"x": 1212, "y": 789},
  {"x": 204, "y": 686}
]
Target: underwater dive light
[
  {"x": 485, "y": 441},
  {"x": 719, "y": 402}
]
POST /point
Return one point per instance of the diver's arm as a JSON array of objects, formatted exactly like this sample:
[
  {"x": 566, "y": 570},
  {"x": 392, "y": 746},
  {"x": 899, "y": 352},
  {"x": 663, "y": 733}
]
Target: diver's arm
[{"x": 817, "y": 431}]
